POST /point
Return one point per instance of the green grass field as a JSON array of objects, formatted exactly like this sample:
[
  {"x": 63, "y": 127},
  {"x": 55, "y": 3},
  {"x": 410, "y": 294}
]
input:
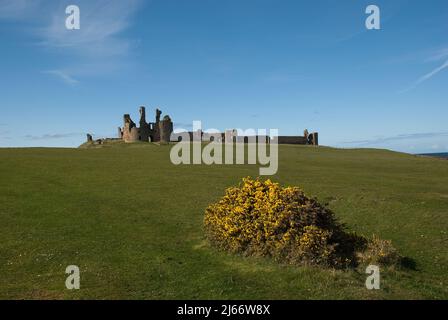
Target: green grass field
[{"x": 132, "y": 222}]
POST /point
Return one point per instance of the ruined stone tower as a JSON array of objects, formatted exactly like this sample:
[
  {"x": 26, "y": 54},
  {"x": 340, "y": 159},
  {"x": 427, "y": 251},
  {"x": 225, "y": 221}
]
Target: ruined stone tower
[
  {"x": 130, "y": 132},
  {"x": 165, "y": 129},
  {"x": 144, "y": 134},
  {"x": 157, "y": 131}
]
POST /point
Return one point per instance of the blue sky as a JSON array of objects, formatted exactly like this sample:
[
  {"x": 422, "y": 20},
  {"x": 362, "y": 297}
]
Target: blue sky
[{"x": 280, "y": 64}]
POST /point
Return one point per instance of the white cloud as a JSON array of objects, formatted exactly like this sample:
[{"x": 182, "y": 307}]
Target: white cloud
[
  {"x": 433, "y": 73},
  {"x": 441, "y": 54},
  {"x": 408, "y": 136},
  {"x": 63, "y": 75},
  {"x": 52, "y": 136},
  {"x": 102, "y": 23},
  {"x": 99, "y": 46},
  {"x": 17, "y": 9}
]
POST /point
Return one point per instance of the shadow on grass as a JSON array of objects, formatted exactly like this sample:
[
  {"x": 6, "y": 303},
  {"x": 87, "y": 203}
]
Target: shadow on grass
[{"x": 408, "y": 264}]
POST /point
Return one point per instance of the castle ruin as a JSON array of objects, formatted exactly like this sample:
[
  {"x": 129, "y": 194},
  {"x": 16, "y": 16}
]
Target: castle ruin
[
  {"x": 158, "y": 131},
  {"x": 162, "y": 131}
]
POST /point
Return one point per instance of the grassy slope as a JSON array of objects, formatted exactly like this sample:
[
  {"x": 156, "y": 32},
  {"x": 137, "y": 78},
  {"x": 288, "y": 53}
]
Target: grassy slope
[{"x": 132, "y": 222}]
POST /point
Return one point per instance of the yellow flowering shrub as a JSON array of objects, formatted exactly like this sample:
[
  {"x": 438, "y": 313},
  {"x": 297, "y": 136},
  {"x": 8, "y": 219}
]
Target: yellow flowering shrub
[
  {"x": 262, "y": 218},
  {"x": 380, "y": 252},
  {"x": 313, "y": 247}
]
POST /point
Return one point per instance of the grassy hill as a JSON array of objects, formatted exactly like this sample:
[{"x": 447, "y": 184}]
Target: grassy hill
[{"x": 132, "y": 222}]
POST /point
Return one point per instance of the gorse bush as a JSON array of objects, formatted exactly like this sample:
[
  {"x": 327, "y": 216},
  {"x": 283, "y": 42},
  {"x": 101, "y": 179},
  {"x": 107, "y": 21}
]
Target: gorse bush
[
  {"x": 262, "y": 218},
  {"x": 312, "y": 247},
  {"x": 379, "y": 251}
]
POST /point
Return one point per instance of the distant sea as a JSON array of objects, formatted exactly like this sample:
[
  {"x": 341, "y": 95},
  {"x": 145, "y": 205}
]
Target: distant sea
[{"x": 436, "y": 155}]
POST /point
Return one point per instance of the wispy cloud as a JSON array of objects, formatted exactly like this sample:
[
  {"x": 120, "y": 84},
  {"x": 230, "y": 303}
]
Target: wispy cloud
[
  {"x": 64, "y": 76},
  {"x": 400, "y": 137},
  {"x": 52, "y": 136},
  {"x": 441, "y": 54},
  {"x": 17, "y": 9},
  {"x": 433, "y": 72},
  {"x": 102, "y": 23},
  {"x": 99, "y": 46}
]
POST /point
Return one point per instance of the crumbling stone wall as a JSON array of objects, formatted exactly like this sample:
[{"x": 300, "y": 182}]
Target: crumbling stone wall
[
  {"x": 231, "y": 136},
  {"x": 292, "y": 140},
  {"x": 161, "y": 131},
  {"x": 306, "y": 139},
  {"x": 313, "y": 139}
]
